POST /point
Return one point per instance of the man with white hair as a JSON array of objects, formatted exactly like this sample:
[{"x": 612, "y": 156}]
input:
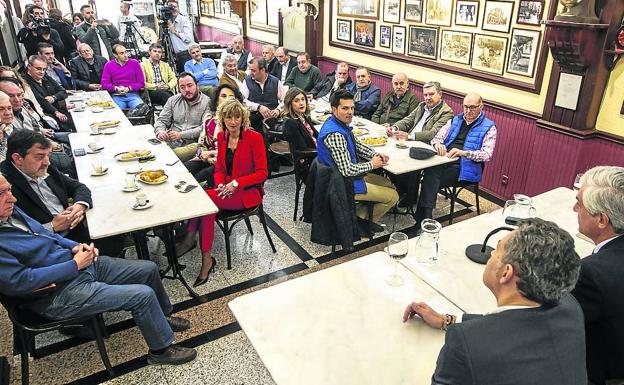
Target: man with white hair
[
  {"x": 242, "y": 54},
  {"x": 600, "y": 288},
  {"x": 86, "y": 69},
  {"x": 268, "y": 54},
  {"x": 231, "y": 74},
  {"x": 202, "y": 68}
]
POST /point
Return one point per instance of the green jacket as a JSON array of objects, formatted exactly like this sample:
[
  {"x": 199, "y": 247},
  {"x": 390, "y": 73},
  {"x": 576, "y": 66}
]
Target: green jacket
[
  {"x": 305, "y": 81},
  {"x": 440, "y": 115},
  {"x": 108, "y": 33},
  {"x": 388, "y": 113}
]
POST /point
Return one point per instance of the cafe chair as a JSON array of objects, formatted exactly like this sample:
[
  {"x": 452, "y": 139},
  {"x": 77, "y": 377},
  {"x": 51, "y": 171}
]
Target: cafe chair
[
  {"x": 27, "y": 325},
  {"x": 277, "y": 147},
  {"x": 302, "y": 161},
  {"x": 454, "y": 190},
  {"x": 227, "y": 219}
]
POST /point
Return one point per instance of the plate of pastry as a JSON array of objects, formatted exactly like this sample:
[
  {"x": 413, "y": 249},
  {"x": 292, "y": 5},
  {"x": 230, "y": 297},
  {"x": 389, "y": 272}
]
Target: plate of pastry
[
  {"x": 153, "y": 177},
  {"x": 132, "y": 155}
]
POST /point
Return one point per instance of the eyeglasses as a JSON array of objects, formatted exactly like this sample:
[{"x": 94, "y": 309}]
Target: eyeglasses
[
  {"x": 41, "y": 69},
  {"x": 472, "y": 108}
]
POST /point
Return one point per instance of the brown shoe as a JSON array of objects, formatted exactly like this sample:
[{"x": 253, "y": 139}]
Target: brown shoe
[{"x": 173, "y": 355}]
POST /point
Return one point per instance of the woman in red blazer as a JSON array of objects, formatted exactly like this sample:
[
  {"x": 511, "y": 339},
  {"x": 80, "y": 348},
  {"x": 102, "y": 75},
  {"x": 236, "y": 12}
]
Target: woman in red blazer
[{"x": 240, "y": 170}]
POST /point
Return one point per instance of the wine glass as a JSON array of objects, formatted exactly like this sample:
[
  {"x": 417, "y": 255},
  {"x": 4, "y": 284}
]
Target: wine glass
[
  {"x": 577, "y": 182},
  {"x": 397, "y": 249}
]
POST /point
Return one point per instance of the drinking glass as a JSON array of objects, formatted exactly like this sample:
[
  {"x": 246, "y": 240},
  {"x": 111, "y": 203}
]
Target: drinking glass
[
  {"x": 577, "y": 182},
  {"x": 426, "y": 249},
  {"x": 397, "y": 249}
]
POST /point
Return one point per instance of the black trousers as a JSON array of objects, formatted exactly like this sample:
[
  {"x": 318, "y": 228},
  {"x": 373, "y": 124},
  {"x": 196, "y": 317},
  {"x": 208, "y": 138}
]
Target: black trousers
[
  {"x": 181, "y": 58},
  {"x": 202, "y": 171},
  {"x": 159, "y": 97},
  {"x": 435, "y": 178}
]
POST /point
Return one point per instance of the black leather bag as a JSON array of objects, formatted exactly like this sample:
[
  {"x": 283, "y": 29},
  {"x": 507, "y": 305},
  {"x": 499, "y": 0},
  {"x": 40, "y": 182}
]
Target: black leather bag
[{"x": 421, "y": 153}]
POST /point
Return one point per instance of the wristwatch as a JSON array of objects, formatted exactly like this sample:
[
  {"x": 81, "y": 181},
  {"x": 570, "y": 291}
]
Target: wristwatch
[{"x": 234, "y": 183}]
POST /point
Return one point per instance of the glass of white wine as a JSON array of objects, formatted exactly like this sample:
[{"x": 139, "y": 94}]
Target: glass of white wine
[{"x": 397, "y": 249}]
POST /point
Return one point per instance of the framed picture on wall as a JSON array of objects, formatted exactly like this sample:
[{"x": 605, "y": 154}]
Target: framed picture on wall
[
  {"x": 523, "y": 52},
  {"x": 530, "y": 12},
  {"x": 467, "y": 13},
  {"x": 398, "y": 39},
  {"x": 385, "y": 35},
  {"x": 497, "y": 15},
  {"x": 423, "y": 42},
  {"x": 455, "y": 46},
  {"x": 364, "y": 33},
  {"x": 488, "y": 53},
  {"x": 439, "y": 12},
  {"x": 413, "y": 10},
  {"x": 343, "y": 30},
  {"x": 392, "y": 11},
  {"x": 365, "y": 9}
]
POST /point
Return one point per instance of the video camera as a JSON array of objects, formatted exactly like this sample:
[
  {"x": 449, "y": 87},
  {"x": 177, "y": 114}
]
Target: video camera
[
  {"x": 41, "y": 26},
  {"x": 165, "y": 13}
]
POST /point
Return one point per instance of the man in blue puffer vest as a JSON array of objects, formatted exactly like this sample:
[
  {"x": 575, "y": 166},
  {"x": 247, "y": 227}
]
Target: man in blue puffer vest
[
  {"x": 469, "y": 136},
  {"x": 338, "y": 148}
]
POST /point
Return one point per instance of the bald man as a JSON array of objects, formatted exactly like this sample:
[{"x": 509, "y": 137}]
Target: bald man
[
  {"x": 469, "y": 137},
  {"x": 398, "y": 103}
]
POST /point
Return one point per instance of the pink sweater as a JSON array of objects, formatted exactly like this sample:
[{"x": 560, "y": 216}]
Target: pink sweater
[{"x": 128, "y": 75}]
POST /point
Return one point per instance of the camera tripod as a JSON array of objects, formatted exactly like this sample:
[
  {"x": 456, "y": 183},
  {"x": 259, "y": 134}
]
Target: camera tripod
[
  {"x": 130, "y": 41},
  {"x": 165, "y": 41}
]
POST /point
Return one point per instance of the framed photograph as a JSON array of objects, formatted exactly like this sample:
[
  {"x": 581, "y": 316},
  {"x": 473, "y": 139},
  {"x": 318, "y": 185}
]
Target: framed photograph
[
  {"x": 343, "y": 30},
  {"x": 467, "y": 13},
  {"x": 413, "y": 10},
  {"x": 488, "y": 53},
  {"x": 455, "y": 46},
  {"x": 523, "y": 51},
  {"x": 392, "y": 11},
  {"x": 423, "y": 42},
  {"x": 530, "y": 12},
  {"x": 439, "y": 12},
  {"x": 497, "y": 15},
  {"x": 365, "y": 9},
  {"x": 364, "y": 33},
  {"x": 385, "y": 35},
  {"x": 398, "y": 39}
]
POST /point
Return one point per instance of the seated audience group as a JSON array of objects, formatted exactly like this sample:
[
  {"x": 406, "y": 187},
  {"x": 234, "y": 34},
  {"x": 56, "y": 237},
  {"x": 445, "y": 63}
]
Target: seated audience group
[{"x": 214, "y": 119}]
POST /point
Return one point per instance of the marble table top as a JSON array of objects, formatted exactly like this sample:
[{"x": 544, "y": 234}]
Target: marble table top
[
  {"x": 400, "y": 161},
  {"x": 125, "y": 138},
  {"x": 112, "y": 212},
  {"x": 83, "y": 119},
  {"x": 459, "y": 279},
  {"x": 342, "y": 325}
]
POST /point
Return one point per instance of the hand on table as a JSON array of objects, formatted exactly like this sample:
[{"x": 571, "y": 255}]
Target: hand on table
[
  {"x": 424, "y": 311},
  {"x": 95, "y": 87},
  {"x": 401, "y": 135},
  {"x": 377, "y": 161},
  {"x": 440, "y": 148},
  {"x": 163, "y": 135},
  {"x": 456, "y": 152}
]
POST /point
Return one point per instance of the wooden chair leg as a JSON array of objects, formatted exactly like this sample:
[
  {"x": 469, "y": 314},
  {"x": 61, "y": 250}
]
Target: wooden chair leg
[
  {"x": 266, "y": 229},
  {"x": 228, "y": 252}
]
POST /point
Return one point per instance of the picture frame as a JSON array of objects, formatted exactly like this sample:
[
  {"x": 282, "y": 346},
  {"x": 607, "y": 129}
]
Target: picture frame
[
  {"x": 413, "y": 10},
  {"x": 530, "y": 12},
  {"x": 488, "y": 54},
  {"x": 363, "y": 9},
  {"x": 399, "y": 36},
  {"x": 392, "y": 11},
  {"x": 467, "y": 13},
  {"x": 456, "y": 46},
  {"x": 385, "y": 36},
  {"x": 497, "y": 15},
  {"x": 343, "y": 30},
  {"x": 439, "y": 12},
  {"x": 364, "y": 33},
  {"x": 523, "y": 52},
  {"x": 423, "y": 42}
]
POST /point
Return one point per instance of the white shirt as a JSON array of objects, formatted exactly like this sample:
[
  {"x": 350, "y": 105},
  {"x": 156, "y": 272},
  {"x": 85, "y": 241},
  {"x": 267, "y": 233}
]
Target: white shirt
[
  {"x": 284, "y": 70},
  {"x": 281, "y": 92},
  {"x": 419, "y": 125},
  {"x": 601, "y": 244}
]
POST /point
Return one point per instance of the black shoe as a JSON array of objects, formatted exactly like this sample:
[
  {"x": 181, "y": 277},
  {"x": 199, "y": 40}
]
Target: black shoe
[
  {"x": 364, "y": 226},
  {"x": 173, "y": 355},
  {"x": 178, "y": 324},
  {"x": 200, "y": 281}
]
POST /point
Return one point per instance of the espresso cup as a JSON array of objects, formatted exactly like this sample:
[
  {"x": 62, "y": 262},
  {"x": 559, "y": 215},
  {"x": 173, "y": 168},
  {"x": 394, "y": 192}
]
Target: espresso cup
[
  {"x": 141, "y": 199},
  {"x": 97, "y": 167},
  {"x": 93, "y": 146},
  {"x": 95, "y": 130},
  {"x": 131, "y": 183},
  {"x": 402, "y": 142}
]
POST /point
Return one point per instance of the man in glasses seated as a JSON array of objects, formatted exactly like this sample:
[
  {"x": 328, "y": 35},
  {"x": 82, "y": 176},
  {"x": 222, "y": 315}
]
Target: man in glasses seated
[{"x": 470, "y": 137}]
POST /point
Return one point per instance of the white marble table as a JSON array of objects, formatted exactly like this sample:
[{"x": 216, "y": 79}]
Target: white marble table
[
  {"x": 125, "y": 138},
  {"x": 400, "y": 161},
  {"x": 112, "y": 213},
  {"x": 342, "y": 326},
  {"x": 83, "y": 119},
  {"x": 459, "y": 279}
]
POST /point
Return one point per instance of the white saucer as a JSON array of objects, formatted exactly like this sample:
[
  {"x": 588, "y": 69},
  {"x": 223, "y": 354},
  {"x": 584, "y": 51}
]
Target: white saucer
[
  {"x": 90, "y": 151},
  {"x": 134, "y": 170},
  {"x": 100, "y": 174},
  {"x": 109, "y": 131},
  {"x": 78, "y": 109},
  {"x": 147, "y": 205},
  {"x": 126, "y": 189},
  {"x": 99, "y": 133},
  {"x": 97, "y": 109}
]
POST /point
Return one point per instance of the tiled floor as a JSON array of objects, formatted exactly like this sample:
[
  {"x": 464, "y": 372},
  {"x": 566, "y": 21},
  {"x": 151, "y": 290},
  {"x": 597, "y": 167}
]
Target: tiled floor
[{"x": 225, "y": 355}]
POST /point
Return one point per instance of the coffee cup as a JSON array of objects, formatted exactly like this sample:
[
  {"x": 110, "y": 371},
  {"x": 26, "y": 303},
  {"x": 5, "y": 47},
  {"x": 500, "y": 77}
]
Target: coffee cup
[
  {"x": 141, "y": 199},
  {"x": 95, "y": 129},
  {"x": 310, "y": 97},
  {"x": 93, "y": 146},
  {"x": 131, "y": 183},
  {"x": 402, "y": 142},
  {"x": 96, "y": 164}
]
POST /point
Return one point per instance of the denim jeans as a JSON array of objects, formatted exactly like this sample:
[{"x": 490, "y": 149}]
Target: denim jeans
[
  {"x": 113, "y": 284},
  {"x": 129, "y": 100}
]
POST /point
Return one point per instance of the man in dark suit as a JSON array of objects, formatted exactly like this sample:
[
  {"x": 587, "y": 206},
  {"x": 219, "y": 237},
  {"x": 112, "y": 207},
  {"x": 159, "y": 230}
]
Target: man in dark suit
[
  {"x": 535, "y": 336},
  {"x": 284, "y": 64},
  {"x": 86, "y": 69},
  {"x": 600, "y": 288},
  {"x": 53, "y": 199}
]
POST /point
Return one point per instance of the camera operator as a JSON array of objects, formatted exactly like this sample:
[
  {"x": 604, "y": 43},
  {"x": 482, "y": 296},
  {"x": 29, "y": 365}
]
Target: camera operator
[
  {"x": 37, "y": 30},
  {"x": 180, "y": 31},
  {"x": 101, "y": 35}
]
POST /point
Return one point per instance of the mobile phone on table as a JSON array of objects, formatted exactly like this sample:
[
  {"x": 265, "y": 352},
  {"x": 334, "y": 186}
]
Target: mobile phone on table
[
  {"x": 80, "y": 152},
  {"x": 154, "y": 141},
  {"x": 188, "y": 188}
]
